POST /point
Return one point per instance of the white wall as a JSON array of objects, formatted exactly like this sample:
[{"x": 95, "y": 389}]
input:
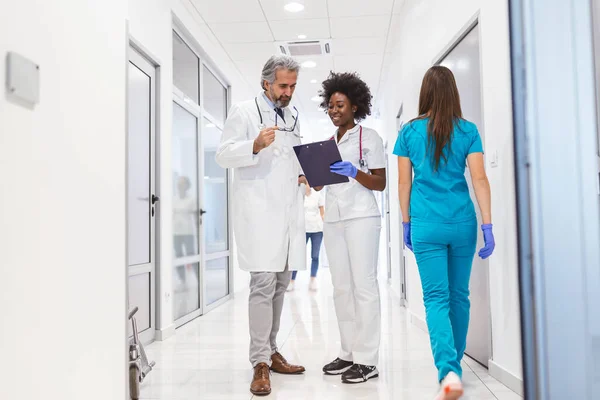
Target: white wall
[
  {"x": 151, "y": 24},
  {"x": 421, "y": 31},
  {"x": 62, "y": 207}
]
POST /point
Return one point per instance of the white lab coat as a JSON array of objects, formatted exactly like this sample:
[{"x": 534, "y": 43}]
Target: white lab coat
[{"x": 268, "y": 204}]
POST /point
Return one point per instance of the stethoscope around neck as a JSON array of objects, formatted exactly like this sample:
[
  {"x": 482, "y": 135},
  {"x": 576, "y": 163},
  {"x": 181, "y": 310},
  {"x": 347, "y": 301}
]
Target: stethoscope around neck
[
  {"x": 262, "y": 124},
  {"x": 361, "y": 160}
]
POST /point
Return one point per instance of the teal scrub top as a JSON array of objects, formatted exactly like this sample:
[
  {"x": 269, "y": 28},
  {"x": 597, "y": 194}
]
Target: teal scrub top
[{"x": 439, "y": 196}]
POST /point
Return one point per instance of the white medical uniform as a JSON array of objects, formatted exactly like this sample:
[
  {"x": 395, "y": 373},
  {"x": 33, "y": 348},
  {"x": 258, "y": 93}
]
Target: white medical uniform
[
  {"x": 268, "y": 204},
  {"x": 351, "y": 233},
  {"x": 312, "y": 212}
]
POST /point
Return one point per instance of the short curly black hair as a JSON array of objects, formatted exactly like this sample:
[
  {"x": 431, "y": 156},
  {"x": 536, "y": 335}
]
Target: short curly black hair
[{"x": 349, "y": 84}]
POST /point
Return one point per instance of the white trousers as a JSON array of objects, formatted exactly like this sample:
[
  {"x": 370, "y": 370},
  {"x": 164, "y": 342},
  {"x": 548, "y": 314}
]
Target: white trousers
[{"x": 353, "y": 249}]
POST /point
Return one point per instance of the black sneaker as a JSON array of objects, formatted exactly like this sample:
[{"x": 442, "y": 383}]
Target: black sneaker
[
  {"x": 337, "y": 367},
  {"x": 360, "y": 373}
]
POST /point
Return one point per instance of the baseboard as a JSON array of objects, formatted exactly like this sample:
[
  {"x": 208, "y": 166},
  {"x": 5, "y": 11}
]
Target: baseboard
[
  {"x": 505, "y": 377},
  {"x": 163, "y": 334},
  {"x": 418, "y": 322}
]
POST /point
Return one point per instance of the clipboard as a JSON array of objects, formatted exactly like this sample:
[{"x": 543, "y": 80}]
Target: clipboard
[{"x": 315, "y": 160}]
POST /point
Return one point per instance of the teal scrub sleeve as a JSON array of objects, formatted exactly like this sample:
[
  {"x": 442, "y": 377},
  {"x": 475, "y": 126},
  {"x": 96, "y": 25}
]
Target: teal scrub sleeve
[
  {"x": 476, "y": 145},
  {"x": 401, "y": 148}
]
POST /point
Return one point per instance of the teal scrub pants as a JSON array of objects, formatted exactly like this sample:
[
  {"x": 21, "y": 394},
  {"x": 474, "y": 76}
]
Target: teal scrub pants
[{"x": 444, "y": 255}]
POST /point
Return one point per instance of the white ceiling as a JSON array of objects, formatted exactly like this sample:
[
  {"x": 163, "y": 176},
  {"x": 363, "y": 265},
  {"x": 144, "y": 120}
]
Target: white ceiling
[{"x": 361, "y": 33}]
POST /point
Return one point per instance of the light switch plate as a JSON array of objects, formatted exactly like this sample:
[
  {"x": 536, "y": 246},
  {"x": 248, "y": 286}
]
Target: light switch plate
[
  {"x": 22, "y": 78},
  {"x": 494, "y": 159}
]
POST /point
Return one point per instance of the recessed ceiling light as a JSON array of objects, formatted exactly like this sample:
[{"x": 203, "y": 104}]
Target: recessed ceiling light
[
  {"x": 316, "y": 99},
  {"x": 313, "y": 81},
  {"x": 309, "y": 64},
  {"x": 301, "y": 36},
  {"x": 294, "y": 7},
  {"x": 210, "y": 125}
]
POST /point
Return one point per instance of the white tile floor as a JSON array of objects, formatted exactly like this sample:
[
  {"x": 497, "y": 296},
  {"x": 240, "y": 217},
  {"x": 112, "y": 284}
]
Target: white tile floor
[{"x": 208, "y": 358}]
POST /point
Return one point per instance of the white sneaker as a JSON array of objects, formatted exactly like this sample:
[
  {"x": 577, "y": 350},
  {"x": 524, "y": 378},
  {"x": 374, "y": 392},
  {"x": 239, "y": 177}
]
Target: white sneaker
[
  {"x": 291, "y": 286},
  {"x": 451, "y": 388},
  {"x": 312, "y": 286}
]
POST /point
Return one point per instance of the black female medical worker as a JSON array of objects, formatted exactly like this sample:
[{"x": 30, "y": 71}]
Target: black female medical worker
[
  {"x": 440, "y": 224},
  {"x": 352, "y": 227}
]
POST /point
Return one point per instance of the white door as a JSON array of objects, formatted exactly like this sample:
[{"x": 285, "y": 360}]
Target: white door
[
  {"x": 141, "y": 194},
  {"x": 186, "y": 212},
  {"x": 201, "y": 241},
  {"x": 215, "y": 193},
  {"x": 464, "y": 61}
]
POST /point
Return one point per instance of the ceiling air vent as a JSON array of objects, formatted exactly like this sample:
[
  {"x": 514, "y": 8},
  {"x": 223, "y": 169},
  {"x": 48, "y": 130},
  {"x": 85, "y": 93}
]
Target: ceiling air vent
[{"x": 305, "y": 48}]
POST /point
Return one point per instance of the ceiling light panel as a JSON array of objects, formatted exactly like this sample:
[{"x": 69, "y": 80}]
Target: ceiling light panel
[
  {"x": 288, "y": 30},
  {"x": 312, "y": 9}
]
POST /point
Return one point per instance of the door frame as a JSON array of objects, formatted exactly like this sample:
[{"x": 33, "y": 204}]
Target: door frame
[
  {"x": 204, "y": 62},
  {"x": 402, "y": 254},
  {"x": 138, "y": 56},
  {"x": 556, "y": 116},
  {"x": 386, "y": 211},
  {"x": 180, "y": 99},
  {"x": 596, "y": 42},
  {"x": 205, "y": 115},
  {"x": 473, "y": 23}
]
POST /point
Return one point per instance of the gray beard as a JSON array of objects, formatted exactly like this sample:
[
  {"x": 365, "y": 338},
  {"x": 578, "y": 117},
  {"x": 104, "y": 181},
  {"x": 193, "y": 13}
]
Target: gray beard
[{"x": 277, "y": 103}]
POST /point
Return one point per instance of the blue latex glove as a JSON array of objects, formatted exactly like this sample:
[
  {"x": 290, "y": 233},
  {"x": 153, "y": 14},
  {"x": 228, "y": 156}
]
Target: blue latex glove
[
  {"x": 345, "y": 168},
  {"x": 490, "y": 243},
  {"x": 407, "y": 238}
]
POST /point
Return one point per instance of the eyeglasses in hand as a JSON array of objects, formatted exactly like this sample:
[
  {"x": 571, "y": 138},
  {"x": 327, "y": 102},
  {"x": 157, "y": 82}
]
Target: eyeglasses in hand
[{"x": 285, "y": 128}]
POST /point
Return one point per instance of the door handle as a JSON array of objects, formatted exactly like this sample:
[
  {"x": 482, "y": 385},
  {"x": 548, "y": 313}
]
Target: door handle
[
  {"x": 155, "y": 199},
  {"x": 202, "y": 212}
]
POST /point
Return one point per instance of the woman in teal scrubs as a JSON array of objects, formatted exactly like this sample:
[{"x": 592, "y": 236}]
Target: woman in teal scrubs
[{"x": 439, "y": 220}]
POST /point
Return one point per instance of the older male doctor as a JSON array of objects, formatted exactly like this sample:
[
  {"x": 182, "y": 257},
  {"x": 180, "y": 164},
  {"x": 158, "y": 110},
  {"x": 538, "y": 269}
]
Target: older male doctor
[{"x": 268, "y": 208}]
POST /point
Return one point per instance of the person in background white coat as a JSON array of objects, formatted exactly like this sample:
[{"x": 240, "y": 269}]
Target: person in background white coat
[
  {"x": 314, "y": 210},
  {"x": 352, "y": 228},
  {"x": 268, "y": 208}
]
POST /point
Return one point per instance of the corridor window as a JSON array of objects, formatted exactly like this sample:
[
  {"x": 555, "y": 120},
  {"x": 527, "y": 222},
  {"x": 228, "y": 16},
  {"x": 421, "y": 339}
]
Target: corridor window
[
  {"x": 214, "y": 95},
  {"x": 186, "y": 69}
]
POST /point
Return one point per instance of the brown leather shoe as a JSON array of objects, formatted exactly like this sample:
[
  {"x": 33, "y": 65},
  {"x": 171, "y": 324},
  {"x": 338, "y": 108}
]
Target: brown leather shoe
[
  {"x": 261, "y": 383},
  {"x": 280, "y": 365}
]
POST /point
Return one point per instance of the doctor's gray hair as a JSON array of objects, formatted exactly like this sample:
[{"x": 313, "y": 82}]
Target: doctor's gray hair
[{"x": 276, "y": 63}]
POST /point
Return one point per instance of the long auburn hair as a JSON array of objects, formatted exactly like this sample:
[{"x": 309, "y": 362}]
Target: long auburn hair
[{"x": 440, "y": 102}]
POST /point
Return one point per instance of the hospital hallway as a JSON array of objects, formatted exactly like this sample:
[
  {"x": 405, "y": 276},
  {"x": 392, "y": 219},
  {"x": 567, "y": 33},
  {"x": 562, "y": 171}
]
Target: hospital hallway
[
  {"x": 162, "y": 160},
  {"x": 208, "y": 358}
]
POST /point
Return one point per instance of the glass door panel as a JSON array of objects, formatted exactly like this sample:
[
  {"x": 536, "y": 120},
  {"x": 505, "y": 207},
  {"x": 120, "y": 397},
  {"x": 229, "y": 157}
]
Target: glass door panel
[
  {"x": 215, "y": 222},
  {"x": 138, "y": 185},
  {"x": 186, "y": 237}
]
